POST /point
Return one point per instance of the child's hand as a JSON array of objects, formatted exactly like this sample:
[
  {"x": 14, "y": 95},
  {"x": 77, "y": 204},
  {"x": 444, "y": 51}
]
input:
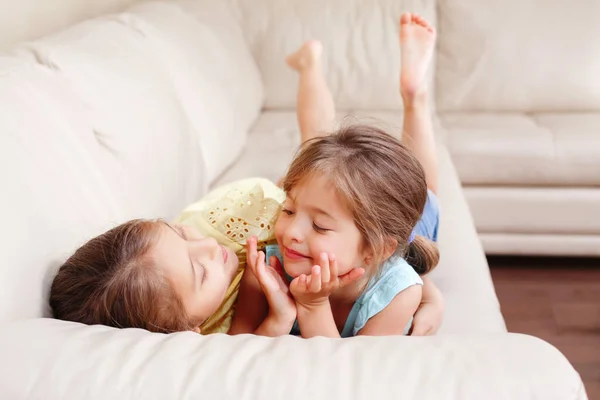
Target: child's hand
[
  {"x": 314, "y": 290},
  {"x": 281, "y": 305},
  {"x": 427, "y": 319}
]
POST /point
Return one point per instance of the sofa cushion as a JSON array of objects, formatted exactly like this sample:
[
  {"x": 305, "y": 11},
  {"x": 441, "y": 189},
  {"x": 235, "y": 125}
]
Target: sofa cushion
[
  {"x": 535, "y": 210},
  {"x": 50, "y": 359},
  {"x": 93, "y": 133},
  {"x": 216, "y": 80},
  {"x": 518, "y": 56},
  {"x": 463, "y": 275},
  {"x": 54, "y": 194},
  {"x": 30, "y": 19},
  {"x": 172, "y": 57},
  {"x": 361, "y": 58},
  {"x": 148, "y": 145},
  {"x": 539, "y": 149},
  {"x": 511, "y": 244}
]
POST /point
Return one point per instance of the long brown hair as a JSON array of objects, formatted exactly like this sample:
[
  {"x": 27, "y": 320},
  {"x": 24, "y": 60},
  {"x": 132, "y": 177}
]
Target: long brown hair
[
  {"x": 111, "y": 280},
  {"x": 381, "y": 183}
]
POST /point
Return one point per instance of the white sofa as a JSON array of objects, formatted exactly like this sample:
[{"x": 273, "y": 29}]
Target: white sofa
[
  {"x": 518, "y": 91},
  {"x": 137, "y": 114}
]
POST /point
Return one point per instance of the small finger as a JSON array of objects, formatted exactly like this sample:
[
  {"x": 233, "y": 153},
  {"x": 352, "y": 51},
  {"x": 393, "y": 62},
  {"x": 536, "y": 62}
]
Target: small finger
[
  {"x": 265, "y": 278},
  {"x": 251, "y": 251},
  {"x": 257, "y": 268},
  {"x": 315, "y": 282},
  {"x": 295, "y": 285},
  {"x": 303, "y": 284},
  {"x": 333, "y": 266},
  {"x": 260, "y": 263},
  {"x": 276, "y": 264},
  {"x": 325, "y": 275}
]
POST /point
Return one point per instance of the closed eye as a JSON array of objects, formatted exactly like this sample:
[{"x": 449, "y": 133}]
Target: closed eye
[
  {"x": 287, "y": 212},
  {"x": 320, "y": 229},
  {"x": 204, "y": 273},
  {"x": 182, "y": 232}
]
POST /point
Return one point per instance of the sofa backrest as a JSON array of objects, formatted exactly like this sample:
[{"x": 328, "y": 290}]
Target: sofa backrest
[
  {"x": 29, "y": 19},
  {"x": 120, "y": 117},
  {"x": 524, "y": 56},
  {"x": 360, "y": 38}
]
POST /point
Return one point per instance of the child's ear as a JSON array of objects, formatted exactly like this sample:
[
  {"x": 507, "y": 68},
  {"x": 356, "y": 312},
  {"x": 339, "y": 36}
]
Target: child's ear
[
  {"x": 368, "y": 256},
  {"x": 391, "y": 245}
]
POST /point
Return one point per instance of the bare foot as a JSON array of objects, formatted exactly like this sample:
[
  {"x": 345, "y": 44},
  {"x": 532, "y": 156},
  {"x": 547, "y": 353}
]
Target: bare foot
[
  {"x": 417, "y": 40},
  {"x": 308, "y": 55}
]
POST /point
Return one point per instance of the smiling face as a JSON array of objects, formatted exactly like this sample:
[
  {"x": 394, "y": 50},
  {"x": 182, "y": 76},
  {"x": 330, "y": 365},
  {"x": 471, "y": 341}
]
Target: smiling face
[
  {"x": 313, "y": 220},
  {"x": 198, "y": 268}
]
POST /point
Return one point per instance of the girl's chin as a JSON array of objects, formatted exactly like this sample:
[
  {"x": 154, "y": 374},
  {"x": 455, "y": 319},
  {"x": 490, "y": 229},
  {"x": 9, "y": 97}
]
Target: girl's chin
[{"x": 294, "y": 269}]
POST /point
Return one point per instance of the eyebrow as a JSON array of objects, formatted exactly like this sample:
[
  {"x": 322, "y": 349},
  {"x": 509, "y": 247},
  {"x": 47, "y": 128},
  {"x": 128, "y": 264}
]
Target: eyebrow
[
  {"x": 321, "y": 211},
  {"x": 313, "y": 208}
]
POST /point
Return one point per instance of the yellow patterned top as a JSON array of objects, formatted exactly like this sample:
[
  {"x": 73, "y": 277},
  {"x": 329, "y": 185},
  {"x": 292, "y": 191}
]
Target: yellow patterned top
[{"x": 231, "y": 214}]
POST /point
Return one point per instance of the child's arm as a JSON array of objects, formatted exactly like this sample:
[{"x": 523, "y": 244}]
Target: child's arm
[
  {"x": 263, "y": 306},
  {"x": 393, "y": 319},
  {"x": 252, "y": 312},
  {"x": 312, "y": 292},
  {"x": 317, "y": 320},
  {"x": 430, "y": 314},
  {"x": 251, "y": 307}
]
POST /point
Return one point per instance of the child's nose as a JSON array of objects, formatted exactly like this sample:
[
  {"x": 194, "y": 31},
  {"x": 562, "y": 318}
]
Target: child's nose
[
  {"x": 211, "y": 246},
  {"x": 294, "y": 232}
]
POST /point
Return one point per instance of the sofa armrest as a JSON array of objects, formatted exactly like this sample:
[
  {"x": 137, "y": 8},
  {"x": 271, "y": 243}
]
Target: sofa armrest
[{"x": 49, "y": 359}]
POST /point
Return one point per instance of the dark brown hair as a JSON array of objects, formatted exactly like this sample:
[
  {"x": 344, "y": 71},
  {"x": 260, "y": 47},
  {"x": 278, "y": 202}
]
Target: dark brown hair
[
  {"x": 110, "y": 280},
  {"x": 381, "y": 183}
]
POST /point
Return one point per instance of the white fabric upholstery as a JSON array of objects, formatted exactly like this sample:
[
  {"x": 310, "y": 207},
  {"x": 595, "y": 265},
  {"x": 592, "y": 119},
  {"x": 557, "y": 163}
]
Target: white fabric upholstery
[
  {"x": 167, "y": 46},
  {"x": 361, "y": 59},
  {"x": 516, "y": 149},
  {"x": 546, "y": 244},
  {"x": 107, "y": 115},
  {"x": 55, "y": 193},
  {"x": 134, "y": 115},
  {"x": 30, "y": 19},
  {"x": 207, "y": 58},
  {"x": 125, "y": 96},
  {"x": 59, "y": 360},
  {"x": 534, "y": 176},
  {"x": 518, "y": 56},
  {"x": 541, "y": 210},
  {"x": 520, "y": 94}
]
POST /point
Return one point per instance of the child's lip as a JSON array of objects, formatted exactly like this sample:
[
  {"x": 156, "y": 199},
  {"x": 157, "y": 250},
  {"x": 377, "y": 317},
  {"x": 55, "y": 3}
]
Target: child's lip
[
  {"x": 294, "y": 254},
  {"x": 225, "y": 255}
]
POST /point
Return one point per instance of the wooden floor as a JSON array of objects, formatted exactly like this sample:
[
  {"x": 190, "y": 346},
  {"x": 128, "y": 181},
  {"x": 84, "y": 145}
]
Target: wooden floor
[{"x": 557, "y": 300}]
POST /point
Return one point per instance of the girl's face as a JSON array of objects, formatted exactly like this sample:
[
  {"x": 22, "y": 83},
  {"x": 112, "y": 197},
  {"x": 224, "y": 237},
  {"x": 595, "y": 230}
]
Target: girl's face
[
  {"x": 314, "y": 221},
  {"x": 199, "y": 269}
]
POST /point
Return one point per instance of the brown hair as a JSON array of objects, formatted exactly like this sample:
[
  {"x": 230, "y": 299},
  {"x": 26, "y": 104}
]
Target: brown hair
[
  {"x": 381, "y": 183},
  {"x": 110, "y": 280}
]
